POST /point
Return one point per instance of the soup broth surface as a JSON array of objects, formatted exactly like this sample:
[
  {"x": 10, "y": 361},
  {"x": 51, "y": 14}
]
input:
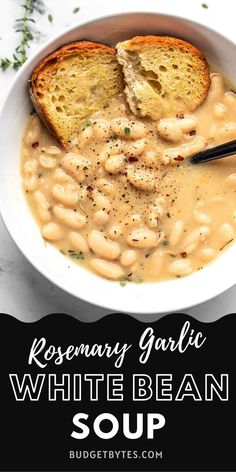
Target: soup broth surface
[{"x": 124, "y": 201}]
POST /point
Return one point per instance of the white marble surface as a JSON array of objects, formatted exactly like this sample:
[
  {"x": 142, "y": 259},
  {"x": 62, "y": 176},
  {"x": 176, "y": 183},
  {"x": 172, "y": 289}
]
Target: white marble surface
[{"x": 24, "y": 293}]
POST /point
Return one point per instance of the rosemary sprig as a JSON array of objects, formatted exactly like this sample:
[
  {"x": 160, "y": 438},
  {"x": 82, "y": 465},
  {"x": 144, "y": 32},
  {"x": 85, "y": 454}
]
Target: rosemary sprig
[{"x": 23, "y": 26}]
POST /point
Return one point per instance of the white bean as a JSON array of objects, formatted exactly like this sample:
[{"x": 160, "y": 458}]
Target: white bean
[
  {"x": 228, "y": 131},
  {"x": 197, "y": 235},
  {"x": 180, "y": 267},
  {"x": 176, "y": 232},
  {"x": 102, "y": 129},
  {"x": 71, "y": 218},
  {"x": 201, "y": 217},
  {"x": 102, "y": 246},
  {"x": 52, "y": 232},
  {"x": 61, "y": 176},
  {"x": 85, "y": 136},
  {"x": 33, "y": 134},
  {"x": 44, "y": 215},
  {"x": 230, "y": 98},
  {"x": 151, "y": 158},
  {"x": 220, "y": 110},
  {"x": 110, "y": 149},
  {"x": 207, "y": 254},
  {"x": 65, "y": 195},
  {"x": 107, "y": 269},
  {"x": 47, "y": 162},
  {"x": 174, "y": 155},
  {"x": 128, "y": 257},
  {"x": 169, "y": 130},
  {"x": 31, "y": 166},
  {"x": 216, "y": 87},
  {"x": 105, "y": 185},
  {"x": 156, "y": 212},
  {"x": 115, "y": 164},
  {"x": 53, "y": 151},
  {"x": 102, "y": 201},
  {"x": 115, "y": 232},
  {"x": 101, "y": 217},
  {"x": 76, "y": 165},
  {"x": 226, "y": 232},
  {"x": 173, "y": 129},
  {"x": 143, "y": 238},
  {"x": 41, "y": 200},
  {"x": 128, "y": 129},
  {"x": 141, "y": 179},
  {"x": 43, "y": 206},
  {"x": 190, "y": 248},
  {"x": 155, "y": 263},
  {"x": 136, "y": 148},
  {"x": 78, "y": 242},
  {"x": 30, "y": 183}
]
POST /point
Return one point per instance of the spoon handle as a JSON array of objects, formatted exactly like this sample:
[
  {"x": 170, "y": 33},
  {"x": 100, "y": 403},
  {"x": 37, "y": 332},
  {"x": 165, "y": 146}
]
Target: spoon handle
[{"x": 224, "y": 150}]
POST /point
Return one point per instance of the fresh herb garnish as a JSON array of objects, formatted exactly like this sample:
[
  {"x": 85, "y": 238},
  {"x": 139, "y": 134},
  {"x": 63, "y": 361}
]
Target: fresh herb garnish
[
  {"x": 226, "y": 244},
  {"x": 204, "y": 5},
  {"x": 87, "y": 123},
  {"x": 24, "y": 26},
  {"x": 123, "y": 283},
  {"x": 127, "y": 130},
  {"x": 76, "y": 255},
  {"x": 113, "y": 138},
  {"x": 50, "y": 18},
  {"x": 76, "y": 10}
]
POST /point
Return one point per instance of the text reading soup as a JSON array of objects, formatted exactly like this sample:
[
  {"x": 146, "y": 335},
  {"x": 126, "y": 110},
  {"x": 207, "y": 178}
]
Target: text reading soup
[{"x": 124, "y": 200}]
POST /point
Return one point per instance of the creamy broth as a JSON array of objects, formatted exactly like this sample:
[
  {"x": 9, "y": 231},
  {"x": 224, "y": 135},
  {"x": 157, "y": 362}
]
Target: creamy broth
[{"x": 124, "y": 201}]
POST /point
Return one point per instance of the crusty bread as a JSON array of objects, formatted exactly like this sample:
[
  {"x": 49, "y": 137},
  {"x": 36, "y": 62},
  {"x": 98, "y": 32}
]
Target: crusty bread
[
  {"x": 72, "y": 83},
  {"x": 163, "y": 75}
]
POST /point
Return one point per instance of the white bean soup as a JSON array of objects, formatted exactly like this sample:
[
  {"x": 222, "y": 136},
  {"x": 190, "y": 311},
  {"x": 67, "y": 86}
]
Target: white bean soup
[{"x": 124, "y": 200}]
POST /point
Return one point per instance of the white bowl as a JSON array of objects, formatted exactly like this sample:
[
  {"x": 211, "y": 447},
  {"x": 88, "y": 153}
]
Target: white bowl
[{"x": 143, "y": 298}]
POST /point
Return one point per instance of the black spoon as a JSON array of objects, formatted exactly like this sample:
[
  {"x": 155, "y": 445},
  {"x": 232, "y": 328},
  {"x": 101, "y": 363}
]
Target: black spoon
[{"x": 217, "y": 152}]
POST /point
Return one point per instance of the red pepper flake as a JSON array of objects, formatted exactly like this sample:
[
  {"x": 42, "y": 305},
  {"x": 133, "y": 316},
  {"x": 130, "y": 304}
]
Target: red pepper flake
[
  {"x": 35, "y": 145},
  {"x": 192, "y": 133},
  {"x": 183, "y": 254},
  {"x": 89, "y": 188},
  {"x": 180, "y": 116},
  {"x": 133, "y": 159},
  {"x": 178, "y": 158}
]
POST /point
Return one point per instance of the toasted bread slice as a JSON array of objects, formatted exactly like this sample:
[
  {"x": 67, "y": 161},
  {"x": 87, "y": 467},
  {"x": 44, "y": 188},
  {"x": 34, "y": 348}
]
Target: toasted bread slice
[
  {"x": 72, "y": 83},
  {"x": 163, "y": 75}
]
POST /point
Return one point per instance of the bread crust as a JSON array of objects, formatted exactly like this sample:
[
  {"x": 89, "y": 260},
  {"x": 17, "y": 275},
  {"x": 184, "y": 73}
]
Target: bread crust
[
  {"x": 140, "y": 43},
  {"x": 168, "y": 41},
  {"x": 160, "y": 41},
  {"x": 46, "y": 67},
  {"x": 71, "y": 49}
]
